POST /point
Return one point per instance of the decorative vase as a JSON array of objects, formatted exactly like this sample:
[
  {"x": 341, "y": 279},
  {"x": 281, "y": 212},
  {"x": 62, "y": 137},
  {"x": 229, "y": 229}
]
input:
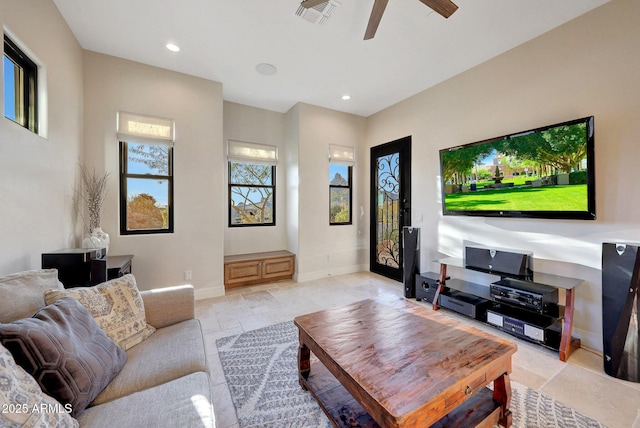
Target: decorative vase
[
  {"x": 103, "y": 237},
  {"x": 91, "y": 241}
]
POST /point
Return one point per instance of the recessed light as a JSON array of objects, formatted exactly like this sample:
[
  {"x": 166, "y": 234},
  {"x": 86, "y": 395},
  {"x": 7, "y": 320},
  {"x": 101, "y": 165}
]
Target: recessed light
[
  {"x": 346, "y": 97},
  {"x": 266, "y": 69},
  {"x": 172, "y": 47}
]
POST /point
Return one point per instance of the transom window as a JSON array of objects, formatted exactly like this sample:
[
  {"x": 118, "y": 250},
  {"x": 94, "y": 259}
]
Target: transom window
[{"x": 20, "y": 86}]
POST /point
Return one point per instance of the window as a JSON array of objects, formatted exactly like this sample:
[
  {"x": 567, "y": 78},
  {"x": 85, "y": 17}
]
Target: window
[
  {"x": 20, "y": 86},
  {"x": 252, "y": 183},
  {"x": 146, "y": 173},
  {"x": 146, "y": 188},
  {"x": 341, "y": 161},
  {"x": 340, "y": 193},
  {"x": 252, "y": 190}
]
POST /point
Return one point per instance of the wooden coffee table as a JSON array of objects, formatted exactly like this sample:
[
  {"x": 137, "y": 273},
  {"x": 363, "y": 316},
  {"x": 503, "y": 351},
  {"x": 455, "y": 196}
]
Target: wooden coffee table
[{"x": 399, "y": 364}]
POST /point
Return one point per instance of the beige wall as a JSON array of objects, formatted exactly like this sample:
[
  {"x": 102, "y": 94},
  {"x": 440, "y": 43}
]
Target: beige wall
[
  {"x": 587, "y": 67},
  {"x": 244, "y": 123},
  {"x": 291, "y": 157},
  {"x": 112, "y": 84},
  {"x": 322, "y": 249},
  {"x": 302, "y": 226},
  {"x": 38, "y": 175}
]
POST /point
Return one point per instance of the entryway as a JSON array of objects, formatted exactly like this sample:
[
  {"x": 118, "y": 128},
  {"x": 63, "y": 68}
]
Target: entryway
[{"x": 390, "y": 205}]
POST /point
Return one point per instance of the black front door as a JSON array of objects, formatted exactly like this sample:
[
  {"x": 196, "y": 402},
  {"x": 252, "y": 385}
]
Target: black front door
[{"x": 390, "y": 205}]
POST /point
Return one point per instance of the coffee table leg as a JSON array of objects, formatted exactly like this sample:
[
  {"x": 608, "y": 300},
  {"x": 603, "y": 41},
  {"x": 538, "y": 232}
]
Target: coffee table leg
[
  {"x": 304, "y": 364},
  {"x": 502, "y": 394}
]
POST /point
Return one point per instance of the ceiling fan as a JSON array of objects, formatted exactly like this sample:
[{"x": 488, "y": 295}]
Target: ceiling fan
[{"x": 445, "y": 8}]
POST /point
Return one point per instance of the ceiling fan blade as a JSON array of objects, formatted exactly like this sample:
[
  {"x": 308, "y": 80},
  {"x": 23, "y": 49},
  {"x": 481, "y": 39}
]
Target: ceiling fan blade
[
  {"x": 374, "y": 20},
  {"x": 443, "y": 7},
  {"x": 312, "y": 3}
]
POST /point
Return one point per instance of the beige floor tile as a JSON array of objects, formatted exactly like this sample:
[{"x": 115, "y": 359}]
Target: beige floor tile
[
  {"x": 223, "y": 406},
  {"x": 596, "y": 395},
  {"x": 580, "y": 383}
]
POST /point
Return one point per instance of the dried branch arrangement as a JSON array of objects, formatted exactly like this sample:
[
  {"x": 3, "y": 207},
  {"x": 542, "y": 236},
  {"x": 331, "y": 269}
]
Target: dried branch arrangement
[{"x": 93, "y": 193}]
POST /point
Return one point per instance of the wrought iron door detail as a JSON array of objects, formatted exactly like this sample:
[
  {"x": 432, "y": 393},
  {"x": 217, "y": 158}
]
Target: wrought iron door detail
[{"x": 388, "y": 210}]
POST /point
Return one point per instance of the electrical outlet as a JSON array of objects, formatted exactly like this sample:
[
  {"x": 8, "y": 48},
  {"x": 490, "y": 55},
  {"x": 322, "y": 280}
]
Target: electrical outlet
[{"x": 188, "y": 275}]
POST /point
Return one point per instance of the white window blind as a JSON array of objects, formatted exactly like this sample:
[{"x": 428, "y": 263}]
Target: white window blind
[
  {"x": 342, "y": 154},
  {"x": 133, "y": 127},
  {"x": 242, "y": 151}
]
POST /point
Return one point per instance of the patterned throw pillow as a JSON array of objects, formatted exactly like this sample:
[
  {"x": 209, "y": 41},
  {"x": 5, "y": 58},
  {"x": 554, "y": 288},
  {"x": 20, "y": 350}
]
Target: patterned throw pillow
[
  {"x": 117, "y": 307},
  {"x": 65, "y": 351},
  {"x": 23, "y": 402}
]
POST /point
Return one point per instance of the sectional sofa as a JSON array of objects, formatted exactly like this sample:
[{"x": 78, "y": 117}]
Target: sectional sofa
[{"x": 156, "y": 375}]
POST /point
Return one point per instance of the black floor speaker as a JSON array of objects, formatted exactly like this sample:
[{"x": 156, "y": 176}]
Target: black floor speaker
[
  {"x": 410, "y": 259},
  {"x": 620, "y": 279}
]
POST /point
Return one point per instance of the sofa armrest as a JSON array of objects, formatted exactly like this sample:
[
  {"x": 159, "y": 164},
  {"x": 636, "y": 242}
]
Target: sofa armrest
[{"x": 167, "y": 306}]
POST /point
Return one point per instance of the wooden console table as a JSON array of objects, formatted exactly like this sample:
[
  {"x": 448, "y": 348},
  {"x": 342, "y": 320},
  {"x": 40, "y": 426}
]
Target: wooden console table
[
  {"x": 403, "y": 366},
  {"x": 258, "y": 268}
]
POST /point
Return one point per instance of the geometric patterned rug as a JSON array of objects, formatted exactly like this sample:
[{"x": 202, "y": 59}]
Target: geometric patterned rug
[{"x": 260, "y": 367}]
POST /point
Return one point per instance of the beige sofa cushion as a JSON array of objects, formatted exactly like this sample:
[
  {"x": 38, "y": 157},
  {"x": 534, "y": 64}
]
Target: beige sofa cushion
[
  {"x": 22, "y": 294},
  {"x": 172, "y": 352},
  {"x": 184, "y": 402},
  {"x": 19, "y": 394},
  {"x": 117, "y": 307}
]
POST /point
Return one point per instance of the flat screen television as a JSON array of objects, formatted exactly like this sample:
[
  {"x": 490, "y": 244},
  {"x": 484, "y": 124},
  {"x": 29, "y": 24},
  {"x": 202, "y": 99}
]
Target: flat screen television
[{"x": 546, "y": 172}]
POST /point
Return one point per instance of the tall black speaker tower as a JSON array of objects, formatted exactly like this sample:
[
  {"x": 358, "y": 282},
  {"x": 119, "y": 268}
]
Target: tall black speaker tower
[
  {"x": 410, "y": 259},
  {"x": 620, "y": 307}
]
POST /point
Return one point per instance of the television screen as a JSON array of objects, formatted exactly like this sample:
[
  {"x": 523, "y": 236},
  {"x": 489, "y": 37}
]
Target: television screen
[{"x": 546, "y": 172}]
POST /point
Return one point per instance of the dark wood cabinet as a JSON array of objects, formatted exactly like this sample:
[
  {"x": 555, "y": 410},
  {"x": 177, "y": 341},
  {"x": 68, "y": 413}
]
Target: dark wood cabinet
[
  {"x": 84, "y": 267},
  {"x": 77, "y": 267},
  {"x": 118, "y": 266}
]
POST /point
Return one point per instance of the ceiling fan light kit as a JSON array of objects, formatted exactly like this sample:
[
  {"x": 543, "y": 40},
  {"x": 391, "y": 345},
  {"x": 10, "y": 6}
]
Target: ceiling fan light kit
[{"x": 445, "y": 8}]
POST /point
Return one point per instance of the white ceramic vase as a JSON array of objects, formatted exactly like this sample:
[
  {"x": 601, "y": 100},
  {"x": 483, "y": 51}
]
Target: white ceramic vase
[
  {"x": 103, "y": 237},
  {"x": 97, "y": 239}
]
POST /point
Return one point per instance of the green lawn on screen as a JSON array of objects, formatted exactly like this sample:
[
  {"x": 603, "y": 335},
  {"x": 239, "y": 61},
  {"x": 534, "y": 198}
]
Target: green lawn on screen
[{"x": 546, "y": 198}]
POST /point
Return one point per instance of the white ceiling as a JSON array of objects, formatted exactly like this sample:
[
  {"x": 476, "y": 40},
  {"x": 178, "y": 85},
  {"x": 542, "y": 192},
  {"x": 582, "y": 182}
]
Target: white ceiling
[{"x": 224, "y": 40}]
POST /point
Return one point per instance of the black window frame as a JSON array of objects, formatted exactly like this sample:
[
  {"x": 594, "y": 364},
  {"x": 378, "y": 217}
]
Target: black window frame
[
  {"x": 28, "y": 107},
  {"x": 273, "y": 195},
  {"x": 350, "y": 188},
  {"x": 124, "y": 175}
]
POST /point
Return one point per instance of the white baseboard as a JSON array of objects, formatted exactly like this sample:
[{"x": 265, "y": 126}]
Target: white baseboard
[
  {"x": 588, "y": 339},
  {"x": 343, "y": 270},
  {"x": 208, "y": 292}
]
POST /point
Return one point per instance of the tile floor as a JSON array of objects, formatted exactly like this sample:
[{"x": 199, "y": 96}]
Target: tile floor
[{"x": 579, "y": 383}]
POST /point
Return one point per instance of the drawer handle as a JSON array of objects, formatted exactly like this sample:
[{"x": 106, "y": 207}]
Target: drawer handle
[{"x": 468, "y": 390}]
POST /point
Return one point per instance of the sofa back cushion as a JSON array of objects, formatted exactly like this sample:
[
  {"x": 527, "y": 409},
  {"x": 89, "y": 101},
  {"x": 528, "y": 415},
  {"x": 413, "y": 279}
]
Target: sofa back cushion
[
  {"x": 22, "y": 294},
  {"x": 65, "y": 351}
]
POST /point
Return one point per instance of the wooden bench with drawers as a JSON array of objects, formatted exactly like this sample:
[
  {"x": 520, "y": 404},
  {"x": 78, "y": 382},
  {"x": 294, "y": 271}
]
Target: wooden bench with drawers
[{"x": 258, "y": 268}]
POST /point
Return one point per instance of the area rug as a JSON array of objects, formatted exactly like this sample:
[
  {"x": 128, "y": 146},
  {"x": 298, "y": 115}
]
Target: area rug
[{"x": 260, "y": 367}]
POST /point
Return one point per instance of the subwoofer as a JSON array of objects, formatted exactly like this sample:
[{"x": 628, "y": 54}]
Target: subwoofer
[
  {"x": 620, "y": 307},
  {"x": 410, "y": 259}
]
